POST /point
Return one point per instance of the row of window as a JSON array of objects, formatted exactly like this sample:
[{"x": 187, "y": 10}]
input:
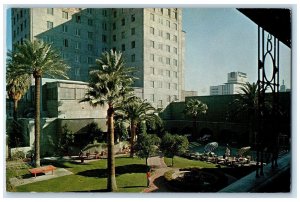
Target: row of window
[
  {"x": 169, "y": 98},
  {"x": 161, "y": 34},
  {"x": 159, "y": 84},
  {"x": 166, "y": 23},
  {"x": 79, "y": 59},
  {"x": 169, "y": 12},
  {"x": 20, "y": 28},
  {"x": 160, "y": 72},
  {"x": 160, "y": 46},
  {"x": 161, "y": 60},
  {"x": 19, "y": 15}
]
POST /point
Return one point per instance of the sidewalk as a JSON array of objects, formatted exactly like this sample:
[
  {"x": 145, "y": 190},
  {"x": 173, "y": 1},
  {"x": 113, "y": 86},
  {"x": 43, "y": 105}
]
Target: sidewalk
[{"x": 156, "y": 181}]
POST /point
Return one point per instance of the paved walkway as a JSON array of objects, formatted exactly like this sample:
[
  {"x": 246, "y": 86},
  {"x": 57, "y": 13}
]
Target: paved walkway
[{"x": 157, "y": 183}]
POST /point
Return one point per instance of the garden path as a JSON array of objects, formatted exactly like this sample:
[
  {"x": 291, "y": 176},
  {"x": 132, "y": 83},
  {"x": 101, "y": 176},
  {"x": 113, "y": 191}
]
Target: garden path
[{"x": 157, "y": 183}]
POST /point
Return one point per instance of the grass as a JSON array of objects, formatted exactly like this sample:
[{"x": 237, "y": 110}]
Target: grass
[
  {"x": 180, "y": 162},
  {"x": 91, "y": 177}
]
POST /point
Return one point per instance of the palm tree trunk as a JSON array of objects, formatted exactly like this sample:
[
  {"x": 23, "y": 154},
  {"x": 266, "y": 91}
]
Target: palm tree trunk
[
  {"x": 111, "y": 178},
  {"x": 15, "y": 110},
  {"x": 37, "y": 123},
  {"x": 132, "y": 137}
]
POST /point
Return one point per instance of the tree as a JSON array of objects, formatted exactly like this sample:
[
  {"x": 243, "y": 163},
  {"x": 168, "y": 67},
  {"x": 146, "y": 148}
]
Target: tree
[
  {"x": 109, "y": 84},
  {"x": 194, "y": 108},
  {"x": 172, "y": 145},
  {"x": 146, "y": 146},
  {"x": 246, "y": 104},
  {"x": 136, "y": 111},
  {"x": 16, "y": 86},
  {"x": 38, "y": 59}
]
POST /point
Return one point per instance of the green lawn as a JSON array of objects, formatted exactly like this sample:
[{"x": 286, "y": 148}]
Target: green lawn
[
  {"x": 180, "y": 162},
  {"x": 91, "y": 176}
]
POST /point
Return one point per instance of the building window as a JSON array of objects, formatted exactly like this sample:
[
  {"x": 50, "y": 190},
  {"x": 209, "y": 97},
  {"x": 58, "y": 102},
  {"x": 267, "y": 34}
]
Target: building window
[
  {"x": 123, "y": 47},
  {"x": 50, "y": 11},
  {"x": 114, "y": 26},
  {"x": 122, "y": 35},
  {"x": 114, "y": 37},
  {"x": 152, "y": 97},
  {"x": 168, "y": 61},
  {"x": 160, "y": 59},
  {"x": 21, "y": 13},
  {"x": 104, "y": 12},
  {"x": 175, "y": 38},
  {"x": 168, "y": 48},
  {"x": 65, "y": 15},
  {"x": 133, "y": 58},
  {"x": 123, "y": 22},
  {"x": 175, "y": 50},
  {"x": 76, "y": 58},
  {"x": 90, "y": 35},
  {"x": 21, "y": 27},
  {"x": 168, "y": 36},
  {"x": 104, "y": 26},
  {"x": 90, "y": 47},
  {"x": 115, "y": 13},
  {"x": 65, "y": 28},
  {"x": 152, "y": 44},
  {"x": 160, "y": 33},
  {"x": 152, "y": 57},
  {"x": 169, "y": 98},
  {"x": 161, "y": 21},
  {"x": 77, "y": 45},
  {"x": 132, "y": 31},
  {"x": 175, "y": 74},
  {"x": 133, "y": 44},
  {"x": 132, "y": 18},
  {"x": 152, "y": 30},
  {"x": 66, "y": 43},
  {"x": 78, "y": 19},
  {"x": 160, "y": 103},
  {"x": 175, "y": 26},
  {"x": 103, "y": 38},
  {"x": 152, "y": 16},
  {"x": 152, "y": 70},
  {"x": 160, "y": 46},
  {"x": 168, "y": 23},
  {"x": 175, "y": 86},
  {"x": 168, "y": 73},
  {"x": 159, "y": 84},
  {"x": 169, "y": 85},
  {"x": 89, "y": 60},
  {"x": 14, "y": 34},
  {"x": 152, "y": 84},
  {"x": 49, "y": 25},
  {"x": 169, "y": 12},
  {"x": 175, "y": 62},
  {"x": 90, "y": 22},
  {"x": 25, "y": 23},
  {"x": 77, "y": 71},
  {"x": 14, "y": 21},
  {"x": 77, "y": 32}
]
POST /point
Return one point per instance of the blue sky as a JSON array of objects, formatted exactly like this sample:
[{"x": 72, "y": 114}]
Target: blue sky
[{"x": 218, "y": 41}]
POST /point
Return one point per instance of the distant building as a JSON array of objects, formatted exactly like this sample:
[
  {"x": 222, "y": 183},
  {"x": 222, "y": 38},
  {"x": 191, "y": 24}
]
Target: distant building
[{"x": 234, "y": 82}]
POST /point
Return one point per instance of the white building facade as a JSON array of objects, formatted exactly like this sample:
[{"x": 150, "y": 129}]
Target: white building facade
[{"x": 151, "y": 40}]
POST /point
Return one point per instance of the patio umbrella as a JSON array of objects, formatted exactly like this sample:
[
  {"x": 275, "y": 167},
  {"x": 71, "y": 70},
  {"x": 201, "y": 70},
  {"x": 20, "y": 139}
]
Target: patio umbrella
[
  {"x": 243, "y": 150},
  {"x": 210, "y": 147}
]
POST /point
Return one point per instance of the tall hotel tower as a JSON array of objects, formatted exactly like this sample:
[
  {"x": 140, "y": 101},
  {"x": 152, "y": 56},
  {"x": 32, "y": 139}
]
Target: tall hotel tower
[{"x": 151, "y": 39}]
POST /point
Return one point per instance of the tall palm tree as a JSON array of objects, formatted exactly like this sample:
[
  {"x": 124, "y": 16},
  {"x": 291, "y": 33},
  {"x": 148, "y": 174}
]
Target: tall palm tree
[
  {"x": 136, "y": 111},
  {"x": 194, "y": 108},
  {"x": 246, "y": 104},
  {"x": 38, "y": 59},
  {"x": 109, "y": 84},
  {"x": 16, "y": 87}
]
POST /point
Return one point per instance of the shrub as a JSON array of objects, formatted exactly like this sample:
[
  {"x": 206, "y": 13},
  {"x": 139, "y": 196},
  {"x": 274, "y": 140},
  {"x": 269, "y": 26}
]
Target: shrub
[{"x": 18, "y": 155}]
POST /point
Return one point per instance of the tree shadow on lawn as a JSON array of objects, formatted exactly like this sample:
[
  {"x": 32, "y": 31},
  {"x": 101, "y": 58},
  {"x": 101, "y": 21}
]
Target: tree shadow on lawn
[{"x": 120, "y": 170}]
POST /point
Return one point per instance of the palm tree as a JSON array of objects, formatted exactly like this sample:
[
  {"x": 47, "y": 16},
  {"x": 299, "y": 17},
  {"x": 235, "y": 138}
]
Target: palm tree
[
  {"x": 37, "y": 58},
  {"x": 136, "y": 111},
  {"x": 195, "y": 108},
  {"x": 246, "y": 104},
  {"x": 109, "y": 84},
  {"x": 16, "y": 87}
]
